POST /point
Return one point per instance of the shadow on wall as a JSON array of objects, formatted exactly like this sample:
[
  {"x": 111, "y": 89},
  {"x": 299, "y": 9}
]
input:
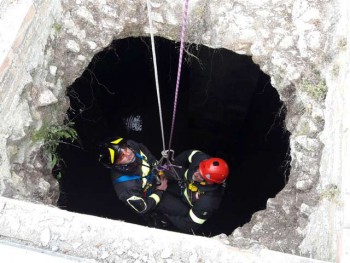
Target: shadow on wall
[{"x": 226, "y": 107}]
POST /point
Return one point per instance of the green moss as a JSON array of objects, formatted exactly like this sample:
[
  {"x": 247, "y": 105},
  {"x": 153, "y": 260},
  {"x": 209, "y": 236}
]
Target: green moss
[
  {"x": 335, "y": 70},
  {"x": 304, "y": 129},
  {"x": 317, "y": 91},
  {"x": 57, "y": 27},
  {"x": 331, "y": 193},
  {"x": 343, "y": 43},
  {"x": 199, "y": 11}
]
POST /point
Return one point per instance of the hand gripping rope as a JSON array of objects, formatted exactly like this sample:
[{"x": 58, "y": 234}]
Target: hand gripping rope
[{"x": 168, "y": 155}]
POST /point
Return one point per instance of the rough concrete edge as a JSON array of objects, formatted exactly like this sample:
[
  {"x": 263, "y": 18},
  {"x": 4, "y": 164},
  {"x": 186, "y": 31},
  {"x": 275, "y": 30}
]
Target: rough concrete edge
[
  {"x": 15, "y": 252},
  {"x": 52, "y": 229}
]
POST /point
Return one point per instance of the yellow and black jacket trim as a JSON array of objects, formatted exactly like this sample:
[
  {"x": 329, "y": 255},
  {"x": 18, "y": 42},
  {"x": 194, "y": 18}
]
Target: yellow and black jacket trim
[
  {"x": 202, "y": 200},
  {"x": 140, "y": 194}
]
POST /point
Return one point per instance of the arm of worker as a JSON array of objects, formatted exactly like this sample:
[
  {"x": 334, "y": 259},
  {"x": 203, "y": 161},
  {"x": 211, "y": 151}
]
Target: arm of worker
[
  {"x": 192, "y": 221},
  {"x": 134, "y": 196},
  {"x": 197, "y": 215},
  {"x": 190, "y": 156}
]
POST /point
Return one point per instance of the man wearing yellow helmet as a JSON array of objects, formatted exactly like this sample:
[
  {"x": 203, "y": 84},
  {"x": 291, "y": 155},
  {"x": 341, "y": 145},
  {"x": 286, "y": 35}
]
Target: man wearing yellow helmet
[{"x": 132, "y": 175}]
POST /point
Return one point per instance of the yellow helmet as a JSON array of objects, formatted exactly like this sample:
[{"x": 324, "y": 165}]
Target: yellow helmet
[{"x": 110, "y": 150}]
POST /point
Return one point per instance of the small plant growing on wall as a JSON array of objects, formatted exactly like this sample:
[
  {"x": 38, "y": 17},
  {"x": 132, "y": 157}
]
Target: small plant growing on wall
[
  {"x": 52, "y": 136},
  {"x": 57, "y": 27}
]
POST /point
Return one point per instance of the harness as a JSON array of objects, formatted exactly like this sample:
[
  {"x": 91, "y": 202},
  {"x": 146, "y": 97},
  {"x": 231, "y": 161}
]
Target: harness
[
  {"x": 125, "y": 178},
  {"x": 129, "y": 177},
  {"x": 197, "y": 189}
]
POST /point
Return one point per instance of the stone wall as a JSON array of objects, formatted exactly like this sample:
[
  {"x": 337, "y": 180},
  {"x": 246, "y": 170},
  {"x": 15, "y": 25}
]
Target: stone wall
[
  {"x": 301, "y": 44},
  {"x": 27, "y": 99}
]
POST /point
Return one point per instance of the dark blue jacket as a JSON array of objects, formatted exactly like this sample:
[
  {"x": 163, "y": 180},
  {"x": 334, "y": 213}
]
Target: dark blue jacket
[{"x": 140, "y": 194}]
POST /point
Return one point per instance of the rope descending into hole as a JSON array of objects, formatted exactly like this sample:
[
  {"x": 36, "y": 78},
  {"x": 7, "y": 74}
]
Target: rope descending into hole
[
  {"x": 182, "y": 45},
  {"x": 168, "y": 155},
  {"x": 155, "y": 70}
]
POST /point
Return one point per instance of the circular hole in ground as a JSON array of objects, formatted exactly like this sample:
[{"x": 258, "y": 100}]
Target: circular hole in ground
[{"x": 227, "y": 108}]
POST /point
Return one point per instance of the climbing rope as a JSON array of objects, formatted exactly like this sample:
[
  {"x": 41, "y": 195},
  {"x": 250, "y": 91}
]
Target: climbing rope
[
  {"x": 183, "y": 30},
  {"x": 155, "y": 69},
  {"x": 168, "y": 154}
]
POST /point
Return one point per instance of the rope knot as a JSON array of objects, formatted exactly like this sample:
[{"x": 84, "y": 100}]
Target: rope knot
[{"x": 168, "y": 154}]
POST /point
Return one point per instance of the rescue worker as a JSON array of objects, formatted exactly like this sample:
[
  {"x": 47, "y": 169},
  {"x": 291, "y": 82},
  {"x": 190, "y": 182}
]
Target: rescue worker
[
  {"x": 188, "y": 206},
  {"x": 132, "y": 175}
]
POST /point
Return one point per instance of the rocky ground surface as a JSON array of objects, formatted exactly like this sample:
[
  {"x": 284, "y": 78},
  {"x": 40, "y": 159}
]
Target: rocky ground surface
[{"x": 42, "y": 232}]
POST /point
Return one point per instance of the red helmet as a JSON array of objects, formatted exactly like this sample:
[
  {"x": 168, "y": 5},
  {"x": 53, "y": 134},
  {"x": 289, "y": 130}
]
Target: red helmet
[{"x": 214, "y": 170}]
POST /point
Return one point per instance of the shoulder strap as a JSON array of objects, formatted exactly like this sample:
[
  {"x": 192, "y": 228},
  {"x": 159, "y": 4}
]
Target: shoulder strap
[
  {"x": 125, "y": 178},
  {"x": 208, "y": 188},
  {"x": 139, "y": 156}
]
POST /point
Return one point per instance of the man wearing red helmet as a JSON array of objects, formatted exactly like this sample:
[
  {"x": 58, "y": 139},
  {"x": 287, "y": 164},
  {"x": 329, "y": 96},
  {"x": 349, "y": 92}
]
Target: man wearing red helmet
[{"x": 189, "y": 206}]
